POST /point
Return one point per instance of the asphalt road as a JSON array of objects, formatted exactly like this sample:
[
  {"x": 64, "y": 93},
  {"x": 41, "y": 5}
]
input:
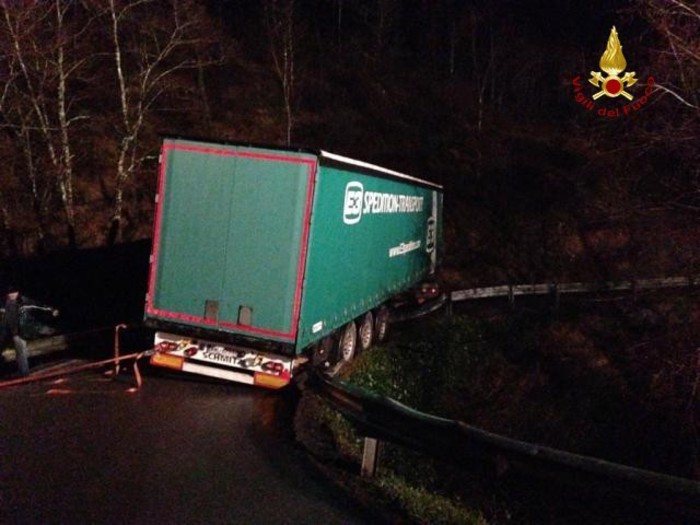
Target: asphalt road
[{"x": 86, "y": 450}]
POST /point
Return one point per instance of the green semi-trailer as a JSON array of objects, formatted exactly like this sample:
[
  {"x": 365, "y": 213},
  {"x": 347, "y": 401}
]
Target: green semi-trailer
[{"x": 267, "y": 259}]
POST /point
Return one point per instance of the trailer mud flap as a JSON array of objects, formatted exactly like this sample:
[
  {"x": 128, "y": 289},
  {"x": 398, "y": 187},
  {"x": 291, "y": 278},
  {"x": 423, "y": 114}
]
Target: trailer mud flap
[{"x": 227, "y": 362}]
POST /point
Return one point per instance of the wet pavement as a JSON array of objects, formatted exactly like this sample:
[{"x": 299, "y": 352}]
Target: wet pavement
[{"x": 87, "y": 450}]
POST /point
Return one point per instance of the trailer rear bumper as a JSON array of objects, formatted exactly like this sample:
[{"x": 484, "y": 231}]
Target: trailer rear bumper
[{"x": 227, "y": 362}]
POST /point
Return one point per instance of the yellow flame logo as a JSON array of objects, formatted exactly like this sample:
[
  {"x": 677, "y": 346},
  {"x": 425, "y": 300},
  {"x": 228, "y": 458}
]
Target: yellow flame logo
[{"x": 612, "y": 62}]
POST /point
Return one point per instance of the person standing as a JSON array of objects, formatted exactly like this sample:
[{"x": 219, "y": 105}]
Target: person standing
[
  {"x": 13, "y": 326},
  {"x": 15, "y": 304}
]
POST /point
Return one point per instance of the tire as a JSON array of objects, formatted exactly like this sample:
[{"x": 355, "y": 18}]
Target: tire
[
  {"x": 323, "y": 353},
  {"x": 347, "y": 343},
  {"x": 365, "y": 332},
  {"x": 381, "y": 324}
]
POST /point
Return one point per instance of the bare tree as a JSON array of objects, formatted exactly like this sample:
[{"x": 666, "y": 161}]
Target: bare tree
[
  {"x": 676, "y": 70},
  {"x": 678, "y": 22},
  {"x": 46, "y": 50},
  {"x": 65, "y": 65},
  {"x": 6, "y": 224},
  {"x": 24, "y": 91},
  {"x": 279, "y": 18},
  {"x": 339, "y": 26},
  {"x": 8, "y": 83},
  {"x": 149, "y": 46},
  {"x": 385, "y": 20},
  {"x": 39, "y": 42}
]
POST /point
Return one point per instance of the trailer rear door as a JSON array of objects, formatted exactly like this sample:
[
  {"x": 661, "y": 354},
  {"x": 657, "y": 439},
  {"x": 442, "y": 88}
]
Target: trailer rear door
[{"x": 230, "y": 238}]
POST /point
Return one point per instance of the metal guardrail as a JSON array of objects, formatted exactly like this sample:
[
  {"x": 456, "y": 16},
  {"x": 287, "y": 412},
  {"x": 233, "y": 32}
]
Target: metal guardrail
[
  {"x": 513, "y": 290},
  {"x": 386, "y": 419}
]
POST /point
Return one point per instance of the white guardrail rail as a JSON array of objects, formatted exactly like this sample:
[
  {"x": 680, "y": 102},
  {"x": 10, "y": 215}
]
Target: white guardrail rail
[{"x": 513, "y": 290}]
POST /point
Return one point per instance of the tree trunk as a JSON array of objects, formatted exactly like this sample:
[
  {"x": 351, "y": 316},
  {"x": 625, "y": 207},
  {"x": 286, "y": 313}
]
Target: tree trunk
[
  {"x": 280, "y": 25},
  {"x": 7, "y": 230},
  {"x": 115, "y": 228}
]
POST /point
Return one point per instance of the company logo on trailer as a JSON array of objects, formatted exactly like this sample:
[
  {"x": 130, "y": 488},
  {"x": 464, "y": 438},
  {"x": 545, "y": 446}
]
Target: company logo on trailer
[
  {"x": 359, "y": 202},
  {"x": 430, "y": 235},
  {"x": 613, "y": 85},
  {"x": 352, "y": 209}
]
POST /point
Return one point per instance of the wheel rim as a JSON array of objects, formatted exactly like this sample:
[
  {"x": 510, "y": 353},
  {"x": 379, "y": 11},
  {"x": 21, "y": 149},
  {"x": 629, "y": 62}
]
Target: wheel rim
[
  {"x": 366, "y": 331},
  {"x": 348, "y": 342}
]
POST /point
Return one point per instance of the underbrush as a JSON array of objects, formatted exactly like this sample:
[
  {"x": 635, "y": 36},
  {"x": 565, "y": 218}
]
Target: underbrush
[
  {"x": 401, "y": 489},
  {"x": 619, "y": 383}
]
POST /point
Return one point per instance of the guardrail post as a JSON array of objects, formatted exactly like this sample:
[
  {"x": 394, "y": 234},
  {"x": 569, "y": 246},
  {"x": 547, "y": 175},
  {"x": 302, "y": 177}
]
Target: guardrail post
[
  {"x": 511, "y": 297},
  {"x": 554, "y": 290},
  {"x": 117, "y": 351},
  {"x": 370, "y": 458}
]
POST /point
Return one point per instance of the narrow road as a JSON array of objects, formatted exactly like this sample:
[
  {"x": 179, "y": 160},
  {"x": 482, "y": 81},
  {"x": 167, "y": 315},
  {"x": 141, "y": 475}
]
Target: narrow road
[{"x": 85, "y": 450}]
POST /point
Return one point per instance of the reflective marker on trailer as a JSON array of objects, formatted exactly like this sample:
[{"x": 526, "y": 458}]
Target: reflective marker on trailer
[
  {"x": 273, "y": 367},
  {"x": 270, "y": 381},
  {"x": 166, "y": 346},
  {"x": 167, "y": 360}
]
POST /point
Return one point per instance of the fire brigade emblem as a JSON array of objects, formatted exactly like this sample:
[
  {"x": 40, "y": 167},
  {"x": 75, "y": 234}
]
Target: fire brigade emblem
[{"x": 613, "y": 63}]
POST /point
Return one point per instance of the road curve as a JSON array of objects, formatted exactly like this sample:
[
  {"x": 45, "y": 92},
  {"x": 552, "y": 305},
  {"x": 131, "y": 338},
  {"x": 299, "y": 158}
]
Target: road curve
[{"x": 177, "y": 451}]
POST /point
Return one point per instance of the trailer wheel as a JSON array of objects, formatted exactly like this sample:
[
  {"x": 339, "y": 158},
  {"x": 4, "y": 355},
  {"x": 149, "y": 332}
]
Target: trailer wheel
[
  {"x": 347, "y": 342},
  {"x": 322, "y": 352},
  {"x": 381, "y": 324},
  {"x": 366, "y": 332}
]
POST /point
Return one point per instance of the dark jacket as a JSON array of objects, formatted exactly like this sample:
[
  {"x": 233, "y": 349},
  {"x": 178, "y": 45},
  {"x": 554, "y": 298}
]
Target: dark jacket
[
  {"x": 12, "y": 320},
  {"x": 19, "y": 318}
]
